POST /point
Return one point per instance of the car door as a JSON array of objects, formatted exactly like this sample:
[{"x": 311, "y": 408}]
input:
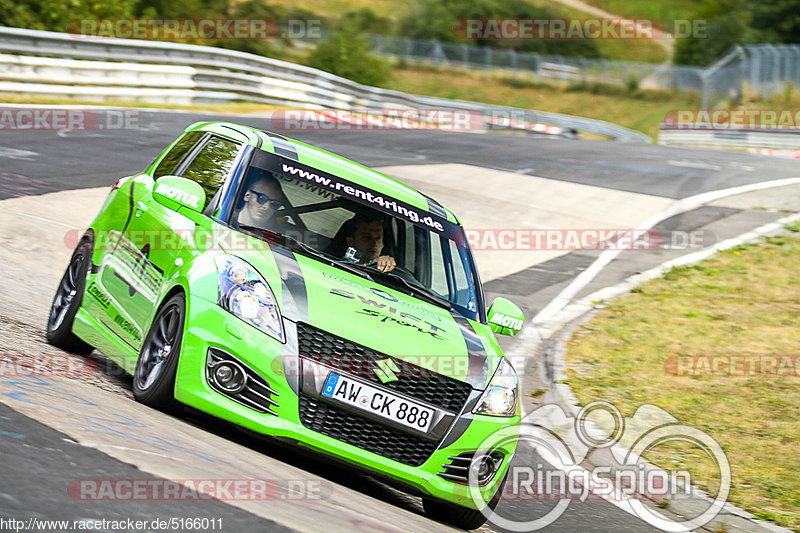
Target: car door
[{"x": 149, "y": 248}]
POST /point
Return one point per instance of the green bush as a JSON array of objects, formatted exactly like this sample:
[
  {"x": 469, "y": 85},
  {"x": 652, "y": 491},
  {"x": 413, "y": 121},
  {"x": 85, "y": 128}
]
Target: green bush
[{"x": 346, "y": 53}]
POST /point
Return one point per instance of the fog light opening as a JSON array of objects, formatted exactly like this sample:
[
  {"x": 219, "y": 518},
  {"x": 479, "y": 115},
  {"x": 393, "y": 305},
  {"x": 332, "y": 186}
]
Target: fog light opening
[
  {"x": 229, "y": 377},
  {"x": 485, "y": 468}
]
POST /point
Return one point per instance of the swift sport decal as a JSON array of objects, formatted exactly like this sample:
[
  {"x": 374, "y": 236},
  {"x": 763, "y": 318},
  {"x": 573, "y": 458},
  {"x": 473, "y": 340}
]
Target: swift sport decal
[
  {"x": 416, "y": 309},
  {"x": 389, "y": 312},
  {"x": 385, "y": 317}
]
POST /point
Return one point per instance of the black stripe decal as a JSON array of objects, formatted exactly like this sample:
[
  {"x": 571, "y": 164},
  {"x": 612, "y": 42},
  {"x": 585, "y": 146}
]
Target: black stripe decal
[
  {"x": 127, "y": 220},
  {"x": 478, "y": 372},
  {"x": 294, "y": 307},
  {"x": 294, "y": 302}
]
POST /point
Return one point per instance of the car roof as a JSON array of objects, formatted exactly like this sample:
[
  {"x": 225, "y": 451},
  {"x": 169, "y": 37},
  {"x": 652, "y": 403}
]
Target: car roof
[{"x": 318, "y": 158}]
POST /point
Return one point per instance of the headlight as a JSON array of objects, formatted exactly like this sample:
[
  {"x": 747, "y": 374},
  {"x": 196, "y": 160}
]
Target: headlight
[
  {"x": 243, "y": 292},
  {"x": 500, "y": 397}
]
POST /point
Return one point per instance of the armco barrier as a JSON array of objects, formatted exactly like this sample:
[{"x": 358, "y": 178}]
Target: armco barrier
[
  {"x": 221, "y": 75},
  {"x": 726, "y": 138}
]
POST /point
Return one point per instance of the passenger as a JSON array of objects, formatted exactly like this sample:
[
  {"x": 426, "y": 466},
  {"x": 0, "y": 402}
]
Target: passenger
[{"x": 365, "y": 234}]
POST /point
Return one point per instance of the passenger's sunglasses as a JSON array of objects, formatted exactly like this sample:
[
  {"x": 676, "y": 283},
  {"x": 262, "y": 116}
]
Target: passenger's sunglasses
[{"x": 262, "y": 198}]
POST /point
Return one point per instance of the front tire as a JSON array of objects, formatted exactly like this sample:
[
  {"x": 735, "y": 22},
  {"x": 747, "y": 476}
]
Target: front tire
[
  {"x": 154, "y": 377},
  {"x": 452, "y": 514},
  {"x": 457, "y": 515},
  {"x": 66, "y": 303}
]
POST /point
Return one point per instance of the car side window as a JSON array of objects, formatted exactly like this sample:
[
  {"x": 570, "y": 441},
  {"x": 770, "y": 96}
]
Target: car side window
[
  {"x": 170, "y": 162},
  {"x": 212, "y": 164}
]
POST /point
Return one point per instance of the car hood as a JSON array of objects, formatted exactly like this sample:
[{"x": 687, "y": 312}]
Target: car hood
[{"x": 379, "y": 317}]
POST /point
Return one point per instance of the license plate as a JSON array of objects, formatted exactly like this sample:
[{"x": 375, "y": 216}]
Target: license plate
[{"x": 378, "y": 402}]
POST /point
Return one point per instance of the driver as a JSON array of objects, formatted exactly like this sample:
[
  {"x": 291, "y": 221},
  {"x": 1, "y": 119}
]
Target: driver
[
  {"x": 262, "y": 199},
  {"x": 366, "y": 236}
]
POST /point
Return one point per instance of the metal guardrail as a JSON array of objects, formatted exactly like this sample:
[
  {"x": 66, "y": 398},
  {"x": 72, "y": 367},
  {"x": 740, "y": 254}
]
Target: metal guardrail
[
  {"x": 736, "y": 138},
  {"x": 764, "y": 68},
  {"x": 220, "y": 75}
]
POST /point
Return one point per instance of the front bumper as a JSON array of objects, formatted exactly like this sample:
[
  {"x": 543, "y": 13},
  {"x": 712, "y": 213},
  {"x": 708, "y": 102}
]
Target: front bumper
[{"x": 294, "y": 408}]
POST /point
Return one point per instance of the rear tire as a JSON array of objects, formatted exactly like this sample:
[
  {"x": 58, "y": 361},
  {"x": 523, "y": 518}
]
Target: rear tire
[
  {"x": 66, "y": 302},
  {"x": 154, "y": 377}
]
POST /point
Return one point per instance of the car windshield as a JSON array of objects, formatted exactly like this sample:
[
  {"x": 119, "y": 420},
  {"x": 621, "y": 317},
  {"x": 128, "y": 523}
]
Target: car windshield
[{"x": 352, "y": 226}]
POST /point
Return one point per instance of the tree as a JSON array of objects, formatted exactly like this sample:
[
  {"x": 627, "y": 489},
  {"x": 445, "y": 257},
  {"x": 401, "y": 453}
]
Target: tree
[
  {"x": 776, "y": 21},
  {"x": 728, "y": 22},
  {"x": 346, "y": 53},
  {"x": 439, "y": 20},
  {"x": 55, "y": 15}
]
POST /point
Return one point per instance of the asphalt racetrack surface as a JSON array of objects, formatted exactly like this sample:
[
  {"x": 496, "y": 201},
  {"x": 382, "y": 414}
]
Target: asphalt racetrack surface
[{"x": 42, "y": 422}]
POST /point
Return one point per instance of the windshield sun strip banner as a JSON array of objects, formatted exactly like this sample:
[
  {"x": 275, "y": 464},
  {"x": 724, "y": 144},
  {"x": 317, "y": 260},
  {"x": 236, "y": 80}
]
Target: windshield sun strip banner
[{"x": 357, "y": 193}]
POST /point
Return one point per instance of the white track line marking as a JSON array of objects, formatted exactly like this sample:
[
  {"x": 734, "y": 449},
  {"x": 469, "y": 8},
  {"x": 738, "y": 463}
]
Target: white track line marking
[
  {"x": 42, "y": 219},
  {"x": 558, "y": 303}
]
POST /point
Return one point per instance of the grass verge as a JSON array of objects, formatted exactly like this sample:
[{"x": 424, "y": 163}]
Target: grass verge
[
  {"x": 743, "y": 302},
  {"x": 636, "y": 109},
  {"x": 664, "y": 11}
]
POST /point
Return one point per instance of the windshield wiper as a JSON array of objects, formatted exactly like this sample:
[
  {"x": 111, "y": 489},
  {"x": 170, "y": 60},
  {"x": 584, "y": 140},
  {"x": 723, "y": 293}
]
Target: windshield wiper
[
  {"x": 299, "y": 246},
  {"x": 413, "y": 289}
]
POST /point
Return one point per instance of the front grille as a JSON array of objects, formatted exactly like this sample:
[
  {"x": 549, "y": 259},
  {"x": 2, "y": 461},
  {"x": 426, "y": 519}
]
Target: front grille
[
  {"x": 413, "y": 381},
  {"x": 364, "y": 433}
]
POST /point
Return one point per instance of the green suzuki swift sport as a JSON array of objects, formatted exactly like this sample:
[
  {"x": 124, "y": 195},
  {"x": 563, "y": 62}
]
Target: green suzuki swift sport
[{"x": 305, "y": 297}]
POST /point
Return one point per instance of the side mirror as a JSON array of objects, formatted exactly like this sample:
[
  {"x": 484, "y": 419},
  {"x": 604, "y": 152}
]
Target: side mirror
[
  {"x": 505, "y": 317},
  {"x": 180, "y": 194}
]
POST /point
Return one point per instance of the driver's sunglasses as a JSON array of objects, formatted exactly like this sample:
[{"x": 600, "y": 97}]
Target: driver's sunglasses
[{"x": 262, "y": 198}]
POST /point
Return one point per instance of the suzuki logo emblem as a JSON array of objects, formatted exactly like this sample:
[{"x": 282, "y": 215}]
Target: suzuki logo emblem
[{"x": 386, "y": 370}]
